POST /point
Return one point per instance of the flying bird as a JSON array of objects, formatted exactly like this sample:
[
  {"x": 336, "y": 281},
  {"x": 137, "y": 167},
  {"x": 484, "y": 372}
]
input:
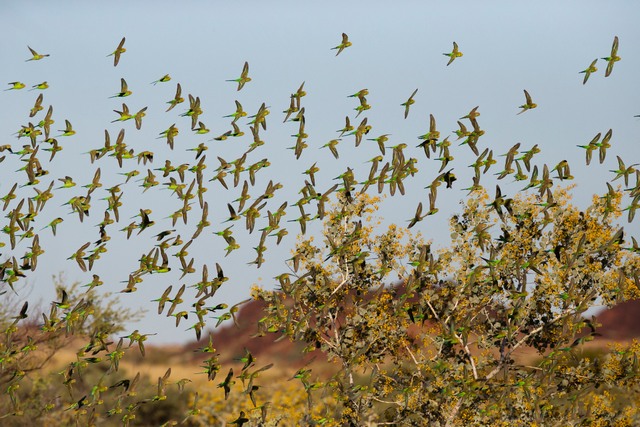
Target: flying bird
[
  {"x": 177, "y": 99},
  {"x": 417, "y": 217},
  {"x": 36, "y": 56},
  {"x": 342, "y": 46},
  {"x": 590, "y": 69},
  {"x": 194, "y": 110},
  {"x": 529, "y": 104},
  {"x": 409, "y": 103},
  {"x": 591, "y": 146},
  {"x": 37, "y": 106},
  {"x": 455, "y": 53},
  {"x": 624, "y": 171},
  {"x": 332, "y": 147},
  {"x": 138, "y": 117},
  {"x": 124, "y": 114},
  {"x": 68, "y": 130},
  {"x": 162, "y": 79},
  {"x": 244, "y": 77},
  {"x": 604, "y": 145},
  {"x": 16, "y": 86},
  {"x": 238, "y": 113},
  {"x": 613, "y": 58},
  {"x": 124, "y": 90},
  {"x": 298, "y": 95},
  {"x": 119, "y": 51},
  {"x": 40, "y": 86}
]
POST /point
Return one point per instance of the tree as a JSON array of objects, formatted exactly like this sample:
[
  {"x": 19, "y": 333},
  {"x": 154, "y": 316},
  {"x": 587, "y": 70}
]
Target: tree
[
  {"x": 442, "y": 347},
  {"x": 28, "y": 347}
]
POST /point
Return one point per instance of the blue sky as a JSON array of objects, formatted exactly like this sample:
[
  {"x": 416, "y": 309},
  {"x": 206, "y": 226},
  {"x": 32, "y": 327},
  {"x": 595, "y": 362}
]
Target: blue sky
[{"x": 396, "y": 48}]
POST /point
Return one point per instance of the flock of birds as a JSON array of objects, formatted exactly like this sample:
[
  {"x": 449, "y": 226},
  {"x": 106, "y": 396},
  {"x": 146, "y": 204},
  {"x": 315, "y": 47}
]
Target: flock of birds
[{"x": 189, "y": 183}]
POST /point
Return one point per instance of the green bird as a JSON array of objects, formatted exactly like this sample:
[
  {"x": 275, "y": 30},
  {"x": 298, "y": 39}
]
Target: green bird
[
  {"x": 409, "y": 102},
  {"x": 311, "y": 172},
  {"x": 562, "y": 168},
  {"x": 148, "y": 182},
  {"x": 363, "y": 106},
  {"x": 359, "y": 94},
  {"x": 68, "y": 130},
  {"x": 417, "y": 217},
  {"x": 163, "y": 299},
  {"x": 590, "y": 69},
  {"x": 260, "y": 118},
  {"x": 244, "y": 77},
  {"x": 177, "y": 99},
  {"x": 624, "y": 171},
  {"x": 9, "y": 197},
  {"x": 613, "y": 58},
  {"x": 293, "y": 108},
  {"x": 201, "y": 129},
  {"x": 430, "y": 138},
  {"x": 226, "y": 233},
  {"x": 37, "y": 107},
  {"x": 67, "y": 182},
  {"x": 162, "y": 383},
  {"x": 40, "y": 86},
  {"x": 47, "y": 122},
  {"x": 124, "y": 90},
  {"x": 473, "y": 114},
  {"x": 29, "y": 131},
  {"x": 238, "y": 113},
  {"x": 236, "y": 131},
  {"x": 455, "y": 53},
  {"x": 16, "y": 86},
  {"x": 280, "y": 235},
  {"x": 194, "y": 110},
  {"x": 55, "y": 147},
  {"x": 167, "y": 168},
  {"x": 528, "y": 155},
  {"x": 226, "y": 384},
  {"x": 347, "y": 127},
  {"x": 223, "y": 136},
  {"x": 36, "y": 56},
  {"x": 342, "y": 46},
  {"x": 95, "y": 282},
  {"x": 381, "y": 140},
  {"x": 604, "y": 145},
  {"x": 170, "y": 134},
  {"x": 130, "y": 175},
  {"x": 162, "y": 79},
  {"x": 591, "y": 146},
  {"x": 298, "y": 95},
  {"x": 254, "y": 168},
  {"x": 119, "y": 51},
  {"x": 138, "y": 117},
  {"x": 529, "y": 104}
]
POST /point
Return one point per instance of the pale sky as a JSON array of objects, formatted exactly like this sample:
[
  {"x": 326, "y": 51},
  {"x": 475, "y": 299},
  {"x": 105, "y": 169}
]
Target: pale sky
[{"x": 397, "y": 47}]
